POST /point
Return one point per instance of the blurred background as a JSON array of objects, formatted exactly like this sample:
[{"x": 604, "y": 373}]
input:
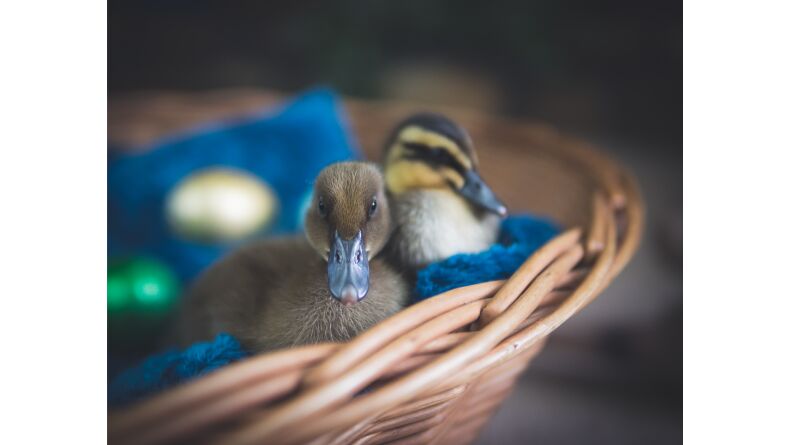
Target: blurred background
[{"x": 607, "y": 71}]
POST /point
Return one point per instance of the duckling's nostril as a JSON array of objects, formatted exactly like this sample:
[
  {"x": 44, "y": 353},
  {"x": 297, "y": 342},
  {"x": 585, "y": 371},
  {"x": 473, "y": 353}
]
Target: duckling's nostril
[
  {"x": 337, "y": 257},
  {"x": 358, "y": 257}
]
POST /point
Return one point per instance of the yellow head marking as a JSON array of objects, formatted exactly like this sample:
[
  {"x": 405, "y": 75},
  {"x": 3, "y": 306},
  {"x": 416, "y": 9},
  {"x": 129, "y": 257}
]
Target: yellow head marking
[
  {"x": 451, "y": 175},
  {"x": 407, "y": 174}
]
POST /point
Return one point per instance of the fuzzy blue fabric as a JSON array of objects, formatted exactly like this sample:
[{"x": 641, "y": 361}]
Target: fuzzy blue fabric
[
  {"x": 287, "y": 148},
  {"x": 169, "y": 368},
  {"x": 519, "y": 237}
]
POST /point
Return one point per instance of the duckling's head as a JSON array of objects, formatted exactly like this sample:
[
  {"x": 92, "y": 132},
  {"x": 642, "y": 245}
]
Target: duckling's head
[
  {"x": 348, "y": 223},
  {"x": 429, "y": 151}
]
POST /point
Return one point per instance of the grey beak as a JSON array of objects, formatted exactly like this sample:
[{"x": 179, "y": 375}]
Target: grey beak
[
  {"x": 478, "y": 192},
  {"x": 348, "y": 269}
]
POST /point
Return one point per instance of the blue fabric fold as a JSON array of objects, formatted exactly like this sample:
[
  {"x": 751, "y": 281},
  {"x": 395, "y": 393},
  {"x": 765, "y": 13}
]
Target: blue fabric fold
[{"x": 164, "y": 370}]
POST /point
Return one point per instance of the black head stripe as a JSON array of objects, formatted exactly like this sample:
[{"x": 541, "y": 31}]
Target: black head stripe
[{"x": 434, "y": 156}]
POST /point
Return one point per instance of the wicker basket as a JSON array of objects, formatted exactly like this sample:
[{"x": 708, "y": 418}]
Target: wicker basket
[{"x": 435, "y": 372}]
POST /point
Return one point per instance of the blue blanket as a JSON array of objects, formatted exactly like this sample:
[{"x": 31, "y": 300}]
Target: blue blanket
[
  {"x": 169, "y": 368},
  {"x": 519, "y": 238}
]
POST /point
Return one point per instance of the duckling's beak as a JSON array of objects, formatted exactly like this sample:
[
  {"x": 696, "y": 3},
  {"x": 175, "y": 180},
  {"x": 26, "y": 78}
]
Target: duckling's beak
[
  {"x": 478, "y": 192},
  {"x": 348, "y": 269}
]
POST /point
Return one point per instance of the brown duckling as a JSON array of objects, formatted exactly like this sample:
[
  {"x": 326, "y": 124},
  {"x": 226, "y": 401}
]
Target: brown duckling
[
  {"x": 327, "y": 286},
  {"x": 441, "y": 205}
]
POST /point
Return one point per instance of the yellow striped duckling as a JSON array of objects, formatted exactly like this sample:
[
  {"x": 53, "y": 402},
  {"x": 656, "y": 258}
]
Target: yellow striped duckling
[
  {"x": 441, "y": 205},
  {"x": 326, "y": 286}
]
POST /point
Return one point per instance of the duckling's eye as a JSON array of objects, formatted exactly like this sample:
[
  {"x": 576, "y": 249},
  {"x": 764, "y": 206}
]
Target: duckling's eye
[
  {"x": 372, "y": 210},
  {"x": 321, "y": 206},
  {"x": 443, "y": 157}
]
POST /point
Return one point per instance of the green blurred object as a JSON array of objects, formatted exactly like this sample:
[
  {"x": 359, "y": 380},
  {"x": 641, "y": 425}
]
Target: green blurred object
[
  {"x": 141, "y": 294},
  {"x": 141, "y": 285}
]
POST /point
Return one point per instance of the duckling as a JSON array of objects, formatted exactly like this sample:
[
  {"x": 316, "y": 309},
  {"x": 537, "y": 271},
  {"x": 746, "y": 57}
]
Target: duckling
[
  {"x": 441, "y": 205},
  {"x": 326, "y": 286}
]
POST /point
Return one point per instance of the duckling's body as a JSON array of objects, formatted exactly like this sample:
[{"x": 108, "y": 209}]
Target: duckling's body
[
  {"x": 441, "y": 205},
  {"x": 434, "y": 224},
  {"x": 323, "y": 287},
  {"x": 273, "y": 294}
]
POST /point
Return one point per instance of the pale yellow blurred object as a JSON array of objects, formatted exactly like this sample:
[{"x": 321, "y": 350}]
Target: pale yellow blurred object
[{"x": 220, "y": 204}]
